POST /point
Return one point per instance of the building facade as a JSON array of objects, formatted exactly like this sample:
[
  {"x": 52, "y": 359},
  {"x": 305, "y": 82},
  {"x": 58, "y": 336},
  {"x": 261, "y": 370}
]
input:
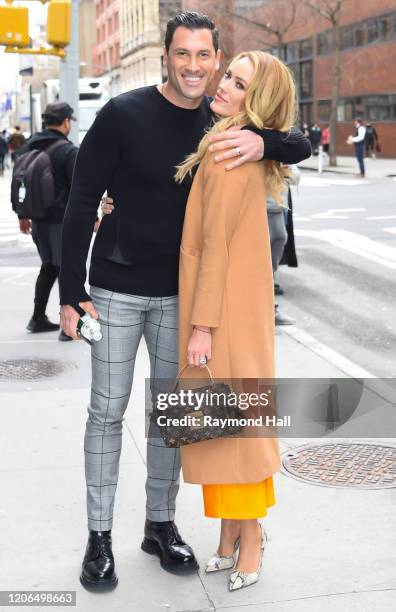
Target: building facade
[
  {"x": 368, "y": 55},
  {"x": 87, "y": 37},
  {"x": 143, "y": 27},
  {"x": 106, "y": 59}
]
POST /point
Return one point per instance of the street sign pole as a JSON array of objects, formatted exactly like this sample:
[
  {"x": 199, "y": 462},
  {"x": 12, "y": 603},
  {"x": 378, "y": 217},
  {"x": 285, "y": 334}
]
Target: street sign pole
[{"x": 70, "y": 72}]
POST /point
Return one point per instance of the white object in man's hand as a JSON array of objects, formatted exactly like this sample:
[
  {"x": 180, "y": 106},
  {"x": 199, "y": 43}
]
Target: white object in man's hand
[
  {"x": 244, "y": 145},
  {"x": 69, "y": 317}
]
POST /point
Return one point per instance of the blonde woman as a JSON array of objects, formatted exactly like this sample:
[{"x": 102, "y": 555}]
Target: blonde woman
[{"x": 226, "y": 303}]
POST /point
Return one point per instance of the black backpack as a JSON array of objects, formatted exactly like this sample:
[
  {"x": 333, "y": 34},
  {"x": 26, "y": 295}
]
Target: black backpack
[{"x": 32, "y": 185}]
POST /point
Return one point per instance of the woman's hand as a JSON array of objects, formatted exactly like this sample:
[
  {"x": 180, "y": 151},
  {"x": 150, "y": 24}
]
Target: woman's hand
[
  {"x": 107, "y": 205},
  {"x": 200, "y": 345}
]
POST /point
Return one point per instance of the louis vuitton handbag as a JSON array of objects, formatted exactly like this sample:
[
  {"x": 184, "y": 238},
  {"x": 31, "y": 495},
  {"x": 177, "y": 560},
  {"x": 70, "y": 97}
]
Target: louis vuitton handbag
[{"x": 209, "y": 415}]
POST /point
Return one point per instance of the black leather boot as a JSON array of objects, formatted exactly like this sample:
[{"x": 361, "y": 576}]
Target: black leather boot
[
  {"x": 98, "y": 566},
  {"x": 41, "y": 324},
  {"x": 163, "y": 539}
]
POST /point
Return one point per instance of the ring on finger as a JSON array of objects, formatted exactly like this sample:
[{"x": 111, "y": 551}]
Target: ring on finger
[{"x": 238, "y": 150}]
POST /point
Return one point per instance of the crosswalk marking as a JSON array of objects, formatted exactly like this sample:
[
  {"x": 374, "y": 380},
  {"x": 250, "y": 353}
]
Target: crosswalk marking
[
  {"x": 391, "y": 230},
  {"x": 381, "y": 217},
  {"x": 332, "y": 213},
  {"x": 355, "y": 243},
  {"x": 315, "y": 181}
]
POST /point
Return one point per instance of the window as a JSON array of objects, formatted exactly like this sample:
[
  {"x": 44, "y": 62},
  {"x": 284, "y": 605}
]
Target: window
[
  {"x": 384, "y": 29},
  {"x": 306, "y": 80},
  {"x": 372, "y": 31},
  {"x": 347, "y": 37},
  {"x": 349, "y": 113},
  {"x": 306, "y": 48},
  {"x": 306, "y": 113},
  {"x": 324, "y": 43},
  {"x": 359, "y": 35},
  {"x": 295, "y": 69},
  {"x": 324, "y": 111},
  {"x": 379, "y": 29},
  {"x": 370, "y": 108},
  {"x": 292, "y": 52},
  {"x": 359, "y": 107}
]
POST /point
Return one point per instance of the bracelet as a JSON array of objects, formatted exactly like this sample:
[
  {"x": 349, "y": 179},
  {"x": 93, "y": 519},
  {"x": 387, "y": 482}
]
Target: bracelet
[{"x": 205, "y": 331}]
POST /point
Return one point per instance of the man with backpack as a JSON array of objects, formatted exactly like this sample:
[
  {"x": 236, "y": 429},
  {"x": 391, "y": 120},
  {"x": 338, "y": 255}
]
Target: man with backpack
[{"x": 40, "y": 188}]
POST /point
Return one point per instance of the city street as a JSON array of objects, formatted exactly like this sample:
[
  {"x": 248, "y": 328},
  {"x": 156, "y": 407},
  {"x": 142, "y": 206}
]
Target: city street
[
  {"x": 343, "y": 290},
  {"x": 330, "y": 548}
]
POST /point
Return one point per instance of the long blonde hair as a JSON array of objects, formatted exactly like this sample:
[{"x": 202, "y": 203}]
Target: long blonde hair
[{"x": 270, "y": 102}]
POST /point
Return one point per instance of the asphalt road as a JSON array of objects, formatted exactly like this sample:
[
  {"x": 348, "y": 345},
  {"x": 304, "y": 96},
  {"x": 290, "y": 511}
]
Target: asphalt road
[{"x": 343, "y": 291}]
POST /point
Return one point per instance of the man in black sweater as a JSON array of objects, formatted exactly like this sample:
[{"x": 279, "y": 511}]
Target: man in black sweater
[{"x": 131, "y": 151}]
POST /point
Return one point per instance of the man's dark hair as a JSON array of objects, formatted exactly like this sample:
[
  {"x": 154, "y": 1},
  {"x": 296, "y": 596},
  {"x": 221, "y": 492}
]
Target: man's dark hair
[{"x": 191, "y": 21}]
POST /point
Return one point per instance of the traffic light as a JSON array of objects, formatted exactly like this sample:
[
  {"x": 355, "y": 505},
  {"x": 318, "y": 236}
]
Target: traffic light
[
  {"x": 14, "y": 26},
  {"x": 58, "y": 22}
]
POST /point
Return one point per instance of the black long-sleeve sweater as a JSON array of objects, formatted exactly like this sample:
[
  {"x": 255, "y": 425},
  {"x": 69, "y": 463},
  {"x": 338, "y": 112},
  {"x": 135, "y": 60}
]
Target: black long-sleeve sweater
[{"x": 131, "y": 151}]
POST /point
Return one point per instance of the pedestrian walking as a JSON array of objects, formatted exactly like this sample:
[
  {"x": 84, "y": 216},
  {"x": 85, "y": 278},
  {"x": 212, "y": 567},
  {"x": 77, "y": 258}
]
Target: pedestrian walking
[
  {"x": 315, "y": 135},
  {"x": 371, "y": 141},
  {"x": 134, "y": 270},
  {"x": 326, "y": 139},
  {"x": 359, "y": 141},
  {"x": 3, "y": 151},
  {"x": 278, "y": 217},
  {"x": 32, "y": 175},
  {"x": 305, "y": 130},
  {"x": 15, "y": 142}
]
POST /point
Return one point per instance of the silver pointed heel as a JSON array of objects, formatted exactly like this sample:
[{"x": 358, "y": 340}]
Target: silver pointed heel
[
  {"x": 218, "y": 562},
  {"x": 240, "y": 580}
]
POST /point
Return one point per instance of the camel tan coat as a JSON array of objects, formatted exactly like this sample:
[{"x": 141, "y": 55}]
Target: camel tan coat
[{"x": 225, "y": 282}]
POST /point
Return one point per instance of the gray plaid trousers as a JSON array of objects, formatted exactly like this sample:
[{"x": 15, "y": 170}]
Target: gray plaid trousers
[{"x": 124, "y": 320}]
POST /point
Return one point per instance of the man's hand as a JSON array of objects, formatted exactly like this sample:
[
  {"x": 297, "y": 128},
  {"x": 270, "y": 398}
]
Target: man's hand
[
  {"x": 245, "y": 145},
  {"x": 69, "y": 317},
  {"x": 107, "y": 205},
  {"x": 25, "y": 226}
]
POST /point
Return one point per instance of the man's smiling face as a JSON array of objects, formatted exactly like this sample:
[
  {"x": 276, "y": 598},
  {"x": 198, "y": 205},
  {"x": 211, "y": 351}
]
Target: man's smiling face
[{"x": 192, "y": 63}]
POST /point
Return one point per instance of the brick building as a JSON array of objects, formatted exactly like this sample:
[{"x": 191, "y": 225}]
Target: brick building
[
  {"x": 106, "y": 54},
  {"x": 368, "y": 57}
]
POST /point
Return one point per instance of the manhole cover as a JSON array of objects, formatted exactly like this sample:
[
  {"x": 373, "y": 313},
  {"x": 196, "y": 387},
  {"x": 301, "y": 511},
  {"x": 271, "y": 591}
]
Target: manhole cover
[
  {"x": 30, "y": 369},
  {"x": 366, "y": 466}
]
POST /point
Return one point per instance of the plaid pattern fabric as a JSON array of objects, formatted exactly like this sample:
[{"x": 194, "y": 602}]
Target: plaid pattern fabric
[{"x": 124, "y": 320}]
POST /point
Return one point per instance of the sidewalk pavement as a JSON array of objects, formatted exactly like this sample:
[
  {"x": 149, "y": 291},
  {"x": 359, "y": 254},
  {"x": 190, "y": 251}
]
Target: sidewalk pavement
[
  {"x": 375, "y": 168},
  {"x": 330, "y": 549}
]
